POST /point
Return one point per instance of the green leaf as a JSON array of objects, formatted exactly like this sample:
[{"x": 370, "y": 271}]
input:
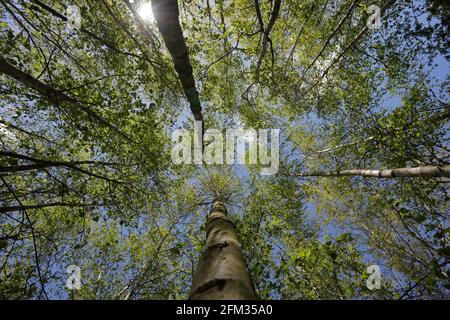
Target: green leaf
[
  {"x": 444, "y": 251},
  {"x": 420, "y": 218},
  {"x": 345, "y": 237},
  {"x": 333, "y": 255},
  {"x": 3, "y": 244}
]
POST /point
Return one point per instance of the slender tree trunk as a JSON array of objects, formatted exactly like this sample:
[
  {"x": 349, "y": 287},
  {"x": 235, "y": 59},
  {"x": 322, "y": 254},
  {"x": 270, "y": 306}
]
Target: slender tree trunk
[
  {"x": 221, "y": 272},
  {"x": 166, "y": 15},
  {"x": 54, "y": 95},
  {"x": 266, "y": 31},
  {"x": 46, "y": 205},
  {"x": 424, "y": 172},
  {"x": 345, "y": 145},
  {"x": 437, "y": 118}
]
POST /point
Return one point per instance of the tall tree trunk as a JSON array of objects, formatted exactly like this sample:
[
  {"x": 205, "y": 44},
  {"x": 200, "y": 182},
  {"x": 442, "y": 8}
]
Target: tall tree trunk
[
  {"x": 166, "y": 15},
  {"x": 221, "y": 272},
  {"x": 424, "y": 172}
]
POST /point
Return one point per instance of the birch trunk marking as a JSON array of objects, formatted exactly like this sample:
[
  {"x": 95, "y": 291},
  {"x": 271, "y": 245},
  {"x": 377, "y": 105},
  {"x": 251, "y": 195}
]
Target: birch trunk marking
[
  {"x": 221, "y": 272},
  {"x": 424, "y": 172}
]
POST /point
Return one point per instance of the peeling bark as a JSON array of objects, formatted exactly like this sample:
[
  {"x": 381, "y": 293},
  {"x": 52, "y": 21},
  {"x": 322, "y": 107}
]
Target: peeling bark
[{"x": 221, "y": 272}]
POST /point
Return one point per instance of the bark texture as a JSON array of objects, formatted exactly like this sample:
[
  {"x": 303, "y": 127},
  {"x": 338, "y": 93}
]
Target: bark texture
[
  {"x": 424, "y": 172},
  {"x": 166, "y": 14},
  {"x": 221, "y": 272}
]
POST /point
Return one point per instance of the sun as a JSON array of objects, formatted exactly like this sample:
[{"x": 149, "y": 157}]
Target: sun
[{"x": 146, "y": 13}]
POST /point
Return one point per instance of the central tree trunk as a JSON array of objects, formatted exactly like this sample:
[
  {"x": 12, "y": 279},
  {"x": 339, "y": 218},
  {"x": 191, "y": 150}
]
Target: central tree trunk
[{"x": 221, "y": 272}]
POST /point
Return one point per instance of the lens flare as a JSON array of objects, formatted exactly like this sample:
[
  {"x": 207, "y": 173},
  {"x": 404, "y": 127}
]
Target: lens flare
[{"x": 146, "y": 13}]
